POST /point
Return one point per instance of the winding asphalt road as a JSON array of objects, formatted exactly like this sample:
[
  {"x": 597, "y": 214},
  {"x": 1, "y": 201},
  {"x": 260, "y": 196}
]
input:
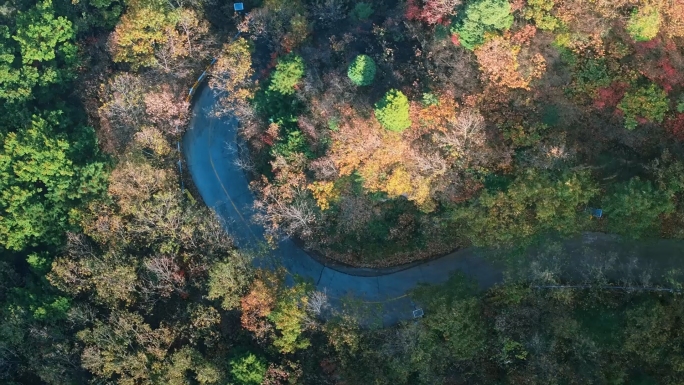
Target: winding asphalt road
[{"x": 210, "y": 151}]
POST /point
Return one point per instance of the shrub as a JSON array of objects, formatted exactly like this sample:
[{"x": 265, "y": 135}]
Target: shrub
[
  {"x": 480, "y": 17},
  {"x": 362, "y": 11},
  {"x": 289, "y": 71},
  {"x": 644, "y": 23},
  {"x": 248, "y": 369},
  {"x": 393, "y": 111},
  {"x": 644, "y": 103},
  {"x": 362, "y": 70}
]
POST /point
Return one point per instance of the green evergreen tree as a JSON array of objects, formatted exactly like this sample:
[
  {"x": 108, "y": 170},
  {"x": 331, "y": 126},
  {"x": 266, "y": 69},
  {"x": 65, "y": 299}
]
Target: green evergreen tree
[
  {"x": 393, "y": 111},
  {"x": 248, "y": 369},
  {"x": 362, "y": 11},
  {"x": 288, "y": 72},
  {"x": 480, "y": 17},
  {"x": 362, "y": 70}
]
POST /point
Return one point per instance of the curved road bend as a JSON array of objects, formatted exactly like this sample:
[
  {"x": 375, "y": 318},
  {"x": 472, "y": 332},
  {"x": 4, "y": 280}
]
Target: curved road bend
[
  {"x": 209, "y": 146},
  {"x": 210, "y": 150}
]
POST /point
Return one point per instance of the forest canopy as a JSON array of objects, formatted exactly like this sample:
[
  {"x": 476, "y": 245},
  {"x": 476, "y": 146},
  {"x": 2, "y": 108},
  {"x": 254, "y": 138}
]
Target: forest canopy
[{"x": 432, "y": 125}]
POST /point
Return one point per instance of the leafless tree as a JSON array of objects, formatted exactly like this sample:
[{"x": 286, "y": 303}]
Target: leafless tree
[
  {"x": 8, "y": 362},
  {"x": 79, "y": 247},
  {"x": 268, "y": 23},
  {"x": 340, "y": 90},
  {"x": 466, "y": 132},
  {"x": 245, "y": 163},
  {"x": 467, "y": 140},
  {"x": 9, "y": 277},
  {"x": 329, "y": 12},
  {"x": 161, "y": 216},
  {"x": 81, "y": 314},
  {"x": 316, "y": 307},
  {"x": 317, "y": 302},
  {"x": 125, "y": 104},
  {"x": 241, "y": 156},
  {"x": 308, "y": 128},
  {"x": 312, "y": 84},
  {"x": 299, "y": 217},
  {"x": 450, "y": 69},
  {"x": 167, "y": 110},
  {"x": 429, "y": 164},
  {"x": 324, "y": 168},
  {"x": 402, "y": 341},
  {"x": 168, "y": 56},
  {"x": 355, "y": 213},
  {"x": 123, "y": 109},
  {"x": 164, "y": 276},
  {"x": 293, "y": 218}
]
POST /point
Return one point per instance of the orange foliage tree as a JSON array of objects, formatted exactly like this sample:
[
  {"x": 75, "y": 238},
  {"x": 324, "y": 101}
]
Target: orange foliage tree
[
  {"x": 383, "y": 158},
  {"x": 500, "y": 61},
  {"x": 674, "y": 14}
]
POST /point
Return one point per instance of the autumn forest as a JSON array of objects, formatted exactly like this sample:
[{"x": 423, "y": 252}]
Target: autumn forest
[{"x": 545, "y": 137}]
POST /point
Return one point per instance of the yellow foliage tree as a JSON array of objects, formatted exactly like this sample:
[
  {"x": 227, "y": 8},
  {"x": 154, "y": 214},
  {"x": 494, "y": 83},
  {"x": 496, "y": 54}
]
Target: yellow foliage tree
[
  {"x": 324, "y": 193},
  {"x": 143, "y": 27},
  {"x": 232, "y": 74}
]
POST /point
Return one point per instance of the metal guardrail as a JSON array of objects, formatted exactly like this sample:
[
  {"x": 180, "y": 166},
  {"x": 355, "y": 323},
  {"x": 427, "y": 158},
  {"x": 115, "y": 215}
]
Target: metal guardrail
[
  {"x": 191, "y": 92},
  {"x": 201, "y": 78}
]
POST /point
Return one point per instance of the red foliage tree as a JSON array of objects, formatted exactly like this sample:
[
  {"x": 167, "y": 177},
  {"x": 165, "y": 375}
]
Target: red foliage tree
[
  {"x": 675, "y": 126},
  {"x": 660, "y": 61},
  {"x": 412, "y": 10},
  {"x": 665, "y": 74},
  {"x": 609, "y": 97},
  {"x": 432, "y": 11}
]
